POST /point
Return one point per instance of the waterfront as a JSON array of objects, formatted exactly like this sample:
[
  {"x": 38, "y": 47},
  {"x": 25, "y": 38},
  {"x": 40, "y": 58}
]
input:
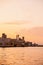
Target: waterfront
[{"x": 21, "y": 56}]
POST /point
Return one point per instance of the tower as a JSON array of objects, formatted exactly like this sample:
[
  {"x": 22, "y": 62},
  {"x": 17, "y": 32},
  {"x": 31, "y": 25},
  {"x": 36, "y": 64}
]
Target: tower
[
  {"x": 17, "y": 37},
  {"x": 4, "y": 35}
]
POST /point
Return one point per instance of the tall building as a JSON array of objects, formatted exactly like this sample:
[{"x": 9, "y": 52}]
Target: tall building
[
  {"x": 4, "y": 35},
  {"x": 22, "y": 38},
  {"x": 17, "y": 37}
]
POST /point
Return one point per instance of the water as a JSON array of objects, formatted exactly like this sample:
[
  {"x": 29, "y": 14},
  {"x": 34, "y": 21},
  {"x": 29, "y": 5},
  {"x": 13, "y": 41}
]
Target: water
[{"x": 21, "y": 56}]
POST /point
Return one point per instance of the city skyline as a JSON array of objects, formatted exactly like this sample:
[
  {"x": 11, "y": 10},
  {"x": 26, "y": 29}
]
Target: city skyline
[{"x": 22, "y": 17}]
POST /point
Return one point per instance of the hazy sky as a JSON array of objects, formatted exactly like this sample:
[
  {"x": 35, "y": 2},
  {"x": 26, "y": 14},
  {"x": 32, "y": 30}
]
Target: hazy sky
[{"x": 24, "y": 17}]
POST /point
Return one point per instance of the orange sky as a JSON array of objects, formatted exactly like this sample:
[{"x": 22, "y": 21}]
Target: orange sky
[{"x": 24, "y": 17}]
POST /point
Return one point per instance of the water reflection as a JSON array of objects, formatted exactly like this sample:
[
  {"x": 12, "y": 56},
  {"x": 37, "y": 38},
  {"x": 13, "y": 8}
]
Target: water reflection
[{"x": 21, "y": 56}]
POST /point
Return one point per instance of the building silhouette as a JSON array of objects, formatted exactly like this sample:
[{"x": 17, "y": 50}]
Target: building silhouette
[{"x": 17, "y": 42}]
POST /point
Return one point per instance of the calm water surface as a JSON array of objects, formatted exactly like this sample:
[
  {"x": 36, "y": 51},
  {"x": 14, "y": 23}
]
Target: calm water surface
[{"x": 21, "y": 56}]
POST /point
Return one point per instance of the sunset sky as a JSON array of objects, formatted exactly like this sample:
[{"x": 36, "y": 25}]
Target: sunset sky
[{"x": 24, "y": 17}]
